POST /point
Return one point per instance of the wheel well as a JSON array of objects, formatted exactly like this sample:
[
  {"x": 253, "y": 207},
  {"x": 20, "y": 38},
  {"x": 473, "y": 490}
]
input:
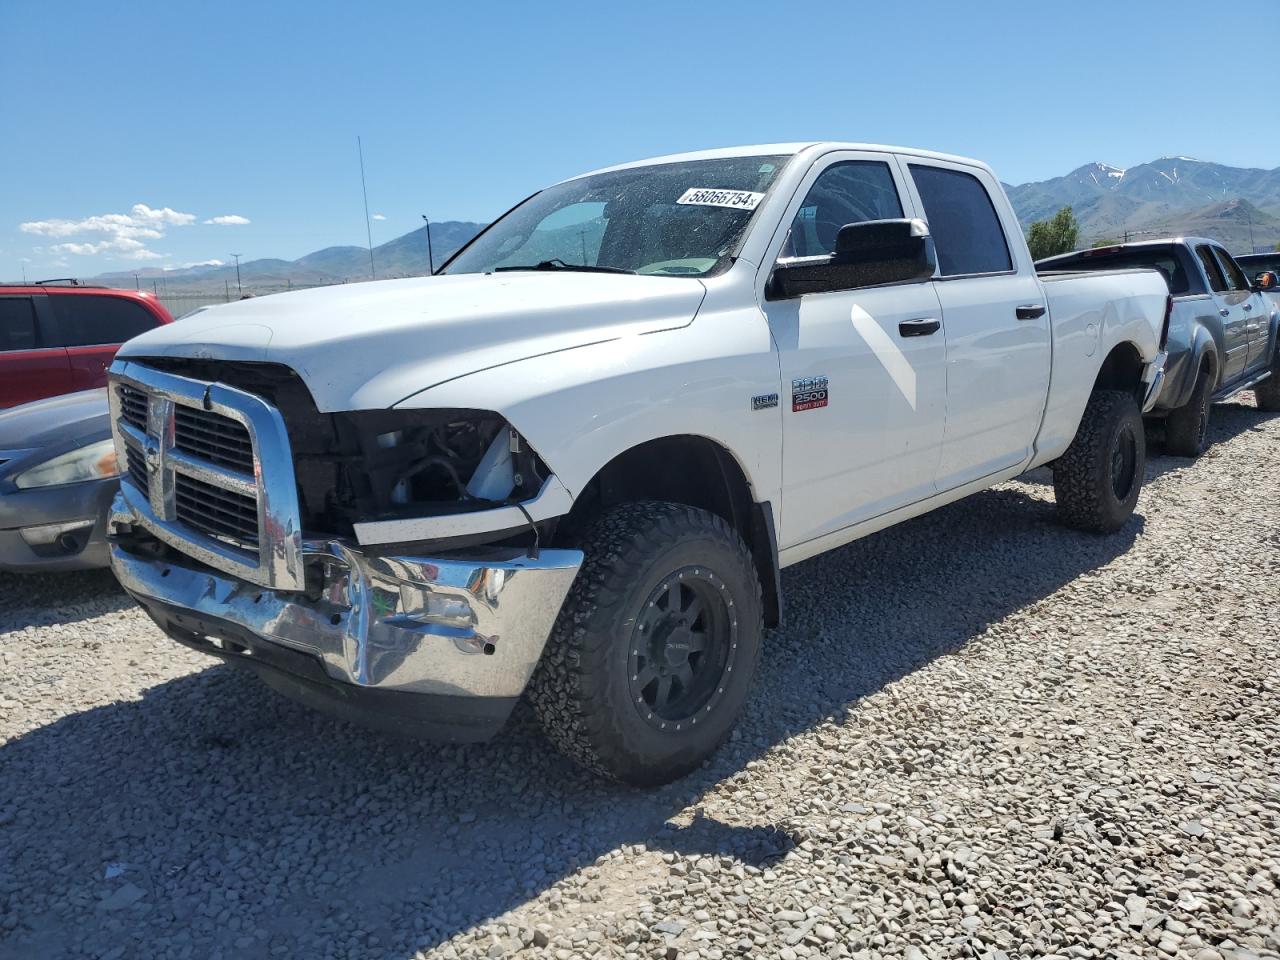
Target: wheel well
[
  {"x": 1122, "y": 370},
  {"x": 695, "y": 471}
]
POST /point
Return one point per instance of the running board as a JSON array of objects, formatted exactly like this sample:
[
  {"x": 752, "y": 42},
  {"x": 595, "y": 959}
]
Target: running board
[{"x": 1247, "y": 385}]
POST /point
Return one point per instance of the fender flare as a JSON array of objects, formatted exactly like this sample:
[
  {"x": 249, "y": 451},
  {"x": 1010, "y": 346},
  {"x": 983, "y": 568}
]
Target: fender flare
[{"x": 1202, "y": 345}]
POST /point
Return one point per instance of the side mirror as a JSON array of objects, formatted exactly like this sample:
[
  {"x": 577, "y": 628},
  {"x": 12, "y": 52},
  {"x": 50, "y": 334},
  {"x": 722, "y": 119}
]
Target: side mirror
[
  {"x": 867, "y": 254},
  {"x": 1266, "y": 282}
]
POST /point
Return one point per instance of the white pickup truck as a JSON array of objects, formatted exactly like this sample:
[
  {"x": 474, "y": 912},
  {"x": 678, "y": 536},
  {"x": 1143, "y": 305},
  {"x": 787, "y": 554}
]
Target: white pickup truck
[{"x": 572, "y": 464}]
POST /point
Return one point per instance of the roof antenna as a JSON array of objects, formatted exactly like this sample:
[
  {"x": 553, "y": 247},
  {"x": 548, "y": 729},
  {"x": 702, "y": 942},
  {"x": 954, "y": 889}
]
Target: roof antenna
[{"x": 368, "y": 228}]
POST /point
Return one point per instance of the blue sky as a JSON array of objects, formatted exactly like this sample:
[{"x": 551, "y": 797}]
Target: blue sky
[{"x": 160, "y": 117}]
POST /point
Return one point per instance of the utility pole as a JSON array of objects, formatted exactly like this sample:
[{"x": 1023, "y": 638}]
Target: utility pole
[
  {"x": 137, "y": 284},
  {"x": 368, "y": 227},
  {"x": 239, "y": 289},
  {"x": 431, "y": 260},
  {"x": 226, "y": 289},
  {"x": 1249, "y": 213}
]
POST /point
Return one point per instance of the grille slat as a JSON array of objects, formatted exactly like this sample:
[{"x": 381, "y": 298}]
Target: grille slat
[
  {"x": 137, "y": 470},
  {"x": 133, "y": 405},
  {"x": 213, "y": 437},
  {"x": 218, "y": 513}
]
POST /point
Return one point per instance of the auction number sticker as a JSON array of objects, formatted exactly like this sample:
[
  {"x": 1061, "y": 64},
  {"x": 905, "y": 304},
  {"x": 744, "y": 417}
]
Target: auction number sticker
[{"x": 737, "y": 199}]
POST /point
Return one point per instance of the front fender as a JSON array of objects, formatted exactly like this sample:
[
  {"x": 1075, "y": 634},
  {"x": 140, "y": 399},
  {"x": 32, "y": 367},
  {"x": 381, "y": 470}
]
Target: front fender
[{"x": 580, "y": 408}]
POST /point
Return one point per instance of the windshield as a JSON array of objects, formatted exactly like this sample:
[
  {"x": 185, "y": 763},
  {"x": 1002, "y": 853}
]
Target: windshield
[{"x": 666, "y": 219}]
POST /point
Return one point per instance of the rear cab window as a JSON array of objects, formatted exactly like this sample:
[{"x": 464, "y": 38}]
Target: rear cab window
[
  {"x": 85, "y": 320},
  {"x": 963, "y": 221},
  {"x": 17, "y": 324},
  {"x": 1163, "y": 259}
]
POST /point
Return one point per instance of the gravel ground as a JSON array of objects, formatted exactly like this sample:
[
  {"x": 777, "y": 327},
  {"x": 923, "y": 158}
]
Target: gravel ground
[{"x": 979, "y": 735}]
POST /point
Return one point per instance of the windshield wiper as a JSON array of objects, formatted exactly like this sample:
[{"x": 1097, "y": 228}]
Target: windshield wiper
[{"x": 558, "y": 264}]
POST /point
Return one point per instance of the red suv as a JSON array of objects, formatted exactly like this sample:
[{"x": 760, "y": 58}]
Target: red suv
[{"x": 56, "y": 339}]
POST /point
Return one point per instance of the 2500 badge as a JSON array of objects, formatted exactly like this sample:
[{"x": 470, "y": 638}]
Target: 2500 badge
[{"x": 808, "y": 394}]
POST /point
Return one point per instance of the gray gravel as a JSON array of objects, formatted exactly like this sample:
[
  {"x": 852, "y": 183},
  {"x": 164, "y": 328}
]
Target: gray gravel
[{"x": 979, "y": 735}]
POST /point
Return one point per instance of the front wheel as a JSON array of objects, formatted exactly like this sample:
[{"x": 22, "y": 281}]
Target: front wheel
[
  {"x": 653, "y": 654},
  {"x": 1096, "y": 482}
]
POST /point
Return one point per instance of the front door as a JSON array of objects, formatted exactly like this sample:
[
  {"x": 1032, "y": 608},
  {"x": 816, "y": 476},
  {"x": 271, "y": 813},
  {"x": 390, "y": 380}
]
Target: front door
[
  {"x": 996, "y": 322},
  {"x": 1257, "y": 311},
  {"x": 1229, "y": 300},
  {"x": 863, "y": 387}
]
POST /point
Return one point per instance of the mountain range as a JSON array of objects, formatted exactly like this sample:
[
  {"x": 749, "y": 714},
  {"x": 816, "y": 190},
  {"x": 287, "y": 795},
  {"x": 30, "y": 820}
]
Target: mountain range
[{"x": 1170, "y": 196}]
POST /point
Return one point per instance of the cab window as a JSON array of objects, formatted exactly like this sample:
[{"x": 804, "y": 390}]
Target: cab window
[
  {"x": 1217, "y": 282},
  {"x": 963, "y": 221},
  {"x": 852, "y": 191},
  {"x": 1235, "y": 276}
]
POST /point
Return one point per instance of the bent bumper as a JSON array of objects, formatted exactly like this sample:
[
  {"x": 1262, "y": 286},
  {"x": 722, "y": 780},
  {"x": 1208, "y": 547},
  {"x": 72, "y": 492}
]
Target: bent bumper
[
  {"x": 414, "y": 643},
  {"x": 1153, "y": 378}
]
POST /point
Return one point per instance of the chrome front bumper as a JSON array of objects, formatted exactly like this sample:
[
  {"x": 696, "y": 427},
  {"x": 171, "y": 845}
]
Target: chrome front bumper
[{"x": 472, "y": 625}]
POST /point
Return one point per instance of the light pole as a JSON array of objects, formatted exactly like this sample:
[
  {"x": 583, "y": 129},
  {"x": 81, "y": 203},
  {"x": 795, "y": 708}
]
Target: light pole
[
  {"x": 431, "y": 260},
  {"x": 238, "y": 288}
]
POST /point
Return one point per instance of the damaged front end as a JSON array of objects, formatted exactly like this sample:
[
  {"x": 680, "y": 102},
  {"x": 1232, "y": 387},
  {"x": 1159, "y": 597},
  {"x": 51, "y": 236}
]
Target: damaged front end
[{"x": 257, "y": 529}]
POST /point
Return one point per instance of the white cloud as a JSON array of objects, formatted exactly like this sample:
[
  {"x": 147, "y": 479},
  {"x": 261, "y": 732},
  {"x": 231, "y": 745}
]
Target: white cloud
[
  {"x": 203, "y": 263},
  {"x": 378, "y": 216},
  {"x": 124, "y": 232},
  {"x": 125, "y": 247},
  {"x": 230, "y": 220}
]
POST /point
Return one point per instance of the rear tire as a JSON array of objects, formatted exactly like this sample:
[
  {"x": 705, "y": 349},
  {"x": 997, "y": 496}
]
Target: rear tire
[
  {"x": 1187, "y": 427},
  {"x": 1268, "y": 391},
  {"x": 1097, "y": 481},
  {"x": 654, "y": 651}
]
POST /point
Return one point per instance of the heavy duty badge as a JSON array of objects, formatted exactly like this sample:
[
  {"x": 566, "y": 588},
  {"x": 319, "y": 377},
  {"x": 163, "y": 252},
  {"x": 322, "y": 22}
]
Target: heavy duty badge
[{"x": 808, "y": 394}]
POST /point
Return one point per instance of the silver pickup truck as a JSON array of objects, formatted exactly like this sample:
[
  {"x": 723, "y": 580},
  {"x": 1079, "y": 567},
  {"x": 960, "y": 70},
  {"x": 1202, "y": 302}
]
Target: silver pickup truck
[{"x": 1222, "y": 333}]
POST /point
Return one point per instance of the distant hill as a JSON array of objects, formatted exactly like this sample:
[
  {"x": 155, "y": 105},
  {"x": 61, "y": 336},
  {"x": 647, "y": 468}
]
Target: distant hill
[
  {"x": 1173, "y": 195},
  {"x": 405, "y": 256},
  {"x": 1169, "y": 195}
]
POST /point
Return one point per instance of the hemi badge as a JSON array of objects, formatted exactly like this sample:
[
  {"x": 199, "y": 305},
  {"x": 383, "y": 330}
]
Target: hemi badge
[
  {"x": 808, "y": 394},
  {"x": 764, "y": 401}
]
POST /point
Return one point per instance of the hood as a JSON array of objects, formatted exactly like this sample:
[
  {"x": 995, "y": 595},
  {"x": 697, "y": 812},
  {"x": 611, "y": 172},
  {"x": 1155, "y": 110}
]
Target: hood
[
  {"x": 370, "y": 345},
  {"x": 65, "y": 421}
]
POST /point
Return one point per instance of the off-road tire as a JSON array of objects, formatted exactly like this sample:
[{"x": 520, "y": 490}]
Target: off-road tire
[
  {"x": 1083, "y": 476},
  {"x": 581, "y": 690},
  {"x": 1267, "y": 392},
  {"x": 1186, "y": 430}
]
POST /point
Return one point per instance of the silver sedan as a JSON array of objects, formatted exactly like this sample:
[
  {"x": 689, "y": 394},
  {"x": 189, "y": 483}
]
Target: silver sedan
[{"x": 58, "y": 474}]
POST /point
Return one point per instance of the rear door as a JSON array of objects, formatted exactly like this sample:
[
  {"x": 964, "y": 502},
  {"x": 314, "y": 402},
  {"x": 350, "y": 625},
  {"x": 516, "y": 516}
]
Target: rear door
[
  {"x": 32, "y": 366},
  {"x": 863, "y": 384},
  {"x": 1256, "y": 308},
  {"x": 93, "y": 326},
  {"x": 995, "y": 320},
  {"x": 1229, "y": 303}
]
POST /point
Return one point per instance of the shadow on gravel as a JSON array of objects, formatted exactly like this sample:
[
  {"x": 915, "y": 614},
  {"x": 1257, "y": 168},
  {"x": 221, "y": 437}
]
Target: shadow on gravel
[
  {"x": 238, "y": 825},
  {"x": 61, "y": 597}
]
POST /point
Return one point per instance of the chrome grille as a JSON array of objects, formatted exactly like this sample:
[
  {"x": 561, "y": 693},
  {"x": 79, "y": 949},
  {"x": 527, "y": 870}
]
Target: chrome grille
[
  {"x": 209, "y": 471},
  {"x": 222, "y": 514},
  {"x": 213, "y": 437},
  {"x": 137, "y": 470},
  {"x": 133, "y": 405}
]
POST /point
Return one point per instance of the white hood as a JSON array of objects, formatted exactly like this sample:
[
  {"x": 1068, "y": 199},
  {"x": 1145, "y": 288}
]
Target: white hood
[{"x": 364, "y": 346}]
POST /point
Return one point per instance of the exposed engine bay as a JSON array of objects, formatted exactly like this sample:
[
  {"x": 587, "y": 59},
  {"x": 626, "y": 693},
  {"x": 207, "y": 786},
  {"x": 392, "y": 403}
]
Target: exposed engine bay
[{"x": 364, "y": 465}]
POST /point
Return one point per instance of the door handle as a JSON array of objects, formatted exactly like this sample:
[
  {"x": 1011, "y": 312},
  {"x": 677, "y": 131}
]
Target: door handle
[
  {"x": 1249, "y": 307},
  {"x": 919, "y": 328},
  {"x": 1225, "y": 312},
  {"x": 1030, "y": 311}
]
